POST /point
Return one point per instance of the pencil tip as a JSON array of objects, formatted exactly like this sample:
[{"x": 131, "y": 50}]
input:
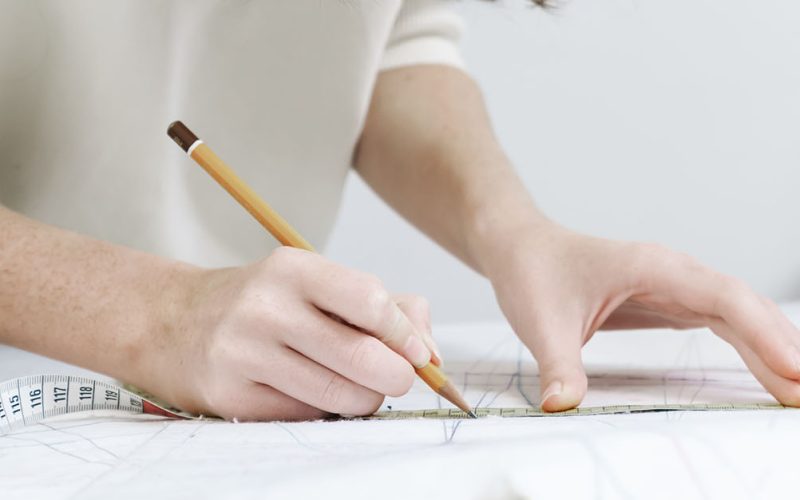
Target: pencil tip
[{"x": 450, "y": 393}]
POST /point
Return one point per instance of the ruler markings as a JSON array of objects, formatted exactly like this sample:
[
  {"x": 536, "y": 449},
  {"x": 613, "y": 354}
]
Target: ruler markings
[
  {"x": 19, "y": 400},
  {"x": 453, "y": 413},
  {"x": 14, "y": 404},
  {"x": 66, "y": 402}
]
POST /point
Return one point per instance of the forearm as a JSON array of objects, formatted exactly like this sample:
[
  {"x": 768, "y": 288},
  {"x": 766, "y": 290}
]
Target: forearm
[
  {"x": 247, "y": 343},
  {"x": 81, "y": 300},
  {"x": 429, "y": 151}
]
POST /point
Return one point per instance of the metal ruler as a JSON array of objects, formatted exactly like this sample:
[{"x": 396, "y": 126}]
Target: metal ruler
[
  {"x": 445, "y": 413},
  {"x": 29, "y": 400}
]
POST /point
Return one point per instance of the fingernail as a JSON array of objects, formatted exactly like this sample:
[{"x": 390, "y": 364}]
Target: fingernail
[
  {"x": 554, "y": 389},
  {"x": 436, "y": 359},
  {"x": 436, "y": 356},
  {"x": 416, "y": 352}
]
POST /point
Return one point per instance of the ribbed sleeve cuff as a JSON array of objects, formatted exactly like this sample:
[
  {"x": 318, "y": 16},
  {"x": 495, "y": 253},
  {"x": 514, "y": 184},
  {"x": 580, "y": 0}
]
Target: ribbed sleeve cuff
[
  {"x": 423, "y": 50},
  {"x": 425, "y": 32}
]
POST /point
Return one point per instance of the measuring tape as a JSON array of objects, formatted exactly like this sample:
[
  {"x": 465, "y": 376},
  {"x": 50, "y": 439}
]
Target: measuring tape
[{"x": 28, "y": 400}]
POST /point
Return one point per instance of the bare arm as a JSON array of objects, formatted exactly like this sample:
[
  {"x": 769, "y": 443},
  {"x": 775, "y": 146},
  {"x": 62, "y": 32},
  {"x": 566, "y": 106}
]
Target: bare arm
[
  {"x": 250, "y": 342},
  {"x": 81, "y": 300},
  {"x": 428, "y": 150}
]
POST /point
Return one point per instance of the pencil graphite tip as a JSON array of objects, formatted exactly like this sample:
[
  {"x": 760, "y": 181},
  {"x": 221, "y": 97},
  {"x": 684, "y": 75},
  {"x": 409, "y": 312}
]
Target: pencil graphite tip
[
  {"x": 451, "y": 394},
  {"x": 434, "y": 377}
]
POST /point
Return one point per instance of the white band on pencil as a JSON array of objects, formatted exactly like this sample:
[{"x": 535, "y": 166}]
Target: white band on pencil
[{"x": 194, "y": 145}]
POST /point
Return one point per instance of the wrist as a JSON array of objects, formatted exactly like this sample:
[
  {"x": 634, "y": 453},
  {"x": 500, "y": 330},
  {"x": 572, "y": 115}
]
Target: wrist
[
  {"x": 501, "y": 235},
  {"x": 168, "y": 299},
  {"x": 501, "y": 219}
]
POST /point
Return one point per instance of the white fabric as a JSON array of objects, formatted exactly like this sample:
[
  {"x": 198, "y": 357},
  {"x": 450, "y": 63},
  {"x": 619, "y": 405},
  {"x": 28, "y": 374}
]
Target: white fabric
[
  {"x": 713, "y": 454},
  {"x": 279, "y": 89}
]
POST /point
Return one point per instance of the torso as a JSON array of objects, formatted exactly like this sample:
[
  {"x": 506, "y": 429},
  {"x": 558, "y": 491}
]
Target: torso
[{"x": 279, "y": 89}]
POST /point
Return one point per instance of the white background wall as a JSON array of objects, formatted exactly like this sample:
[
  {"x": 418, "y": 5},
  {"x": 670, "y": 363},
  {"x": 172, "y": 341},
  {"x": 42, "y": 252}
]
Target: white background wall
[{"x": 672, "y": 121}]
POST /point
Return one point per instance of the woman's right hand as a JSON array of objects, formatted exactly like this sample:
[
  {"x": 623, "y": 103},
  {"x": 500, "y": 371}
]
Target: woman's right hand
[{"x": 292, "y": 337}]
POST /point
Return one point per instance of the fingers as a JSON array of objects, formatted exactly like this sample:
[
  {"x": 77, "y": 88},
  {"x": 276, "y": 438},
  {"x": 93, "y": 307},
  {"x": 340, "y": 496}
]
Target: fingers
[
  {"x": 296, "y": 335},
  {"x": 763, "y": 328},
  {"x": 366, "y": 304},
  {"x": 361, "y": 358},
  {"x": 417, "y": 310},
  {"x": 561, "y": 374},
  {"x": 556, "y": 346},
  {"x": 358, "y": 298},
  {"x": 311, "y": 383},
  {"x": 786, "y": 391},
  {"x": 258, "y": 402},
  {"x": 765, "y": 332}
]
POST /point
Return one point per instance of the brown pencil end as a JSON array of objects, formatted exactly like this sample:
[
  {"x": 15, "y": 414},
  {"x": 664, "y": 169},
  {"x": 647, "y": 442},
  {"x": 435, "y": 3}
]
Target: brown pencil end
[{"x": 181, "y": 134}]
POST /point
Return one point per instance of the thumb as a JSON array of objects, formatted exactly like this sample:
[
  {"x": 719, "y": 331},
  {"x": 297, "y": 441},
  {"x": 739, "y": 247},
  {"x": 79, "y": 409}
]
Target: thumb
[{"x": 561, "y": 374}]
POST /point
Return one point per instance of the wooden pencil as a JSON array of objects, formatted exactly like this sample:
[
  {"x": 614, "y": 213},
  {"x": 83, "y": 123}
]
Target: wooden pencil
[{"x": 285, "y": 233}]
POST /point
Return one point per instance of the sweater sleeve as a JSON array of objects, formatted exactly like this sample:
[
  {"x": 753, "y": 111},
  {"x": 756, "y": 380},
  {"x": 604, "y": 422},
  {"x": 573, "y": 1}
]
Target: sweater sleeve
[{"x": 424, "y": 32}]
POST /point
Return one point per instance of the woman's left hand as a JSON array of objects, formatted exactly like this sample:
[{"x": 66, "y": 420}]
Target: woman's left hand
[{"x": 557, "y": 288}]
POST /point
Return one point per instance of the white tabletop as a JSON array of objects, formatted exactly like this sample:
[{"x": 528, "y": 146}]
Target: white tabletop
[{"x": 728, "y": 455}]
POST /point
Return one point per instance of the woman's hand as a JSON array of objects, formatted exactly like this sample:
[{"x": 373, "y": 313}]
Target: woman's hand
[
  {"x": 428, "y": 149},
  {"x": 294, "y": 336},
  {"x": 557, "y": 288}
]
